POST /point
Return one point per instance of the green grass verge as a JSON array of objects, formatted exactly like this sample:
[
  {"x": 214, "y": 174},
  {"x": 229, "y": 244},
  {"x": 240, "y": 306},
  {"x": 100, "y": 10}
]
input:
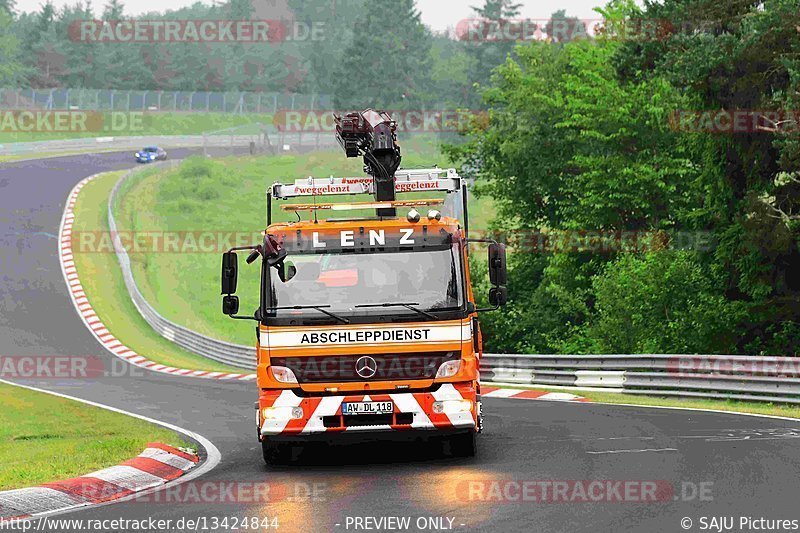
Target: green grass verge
[
  {"x": 102, "y": 281},
  {"x": 758, "y": 408},
  {"x": 153, "y": 123},
  {"x": 79, "y": 438},
  {"x": 224, "y": 196}
]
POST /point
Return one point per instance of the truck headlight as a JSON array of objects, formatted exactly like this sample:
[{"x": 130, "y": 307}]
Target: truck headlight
[
  {"x": 449, "y": 369},
  {"x": 450, "y": 407},
  {"x": 283, "y": 374},
  {"x": 282, "y": 413}
]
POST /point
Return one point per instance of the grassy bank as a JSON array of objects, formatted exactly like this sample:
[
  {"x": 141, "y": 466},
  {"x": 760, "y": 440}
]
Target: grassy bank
[
  {"x": 221, "y": 197},
  {"x": 145, "y": 123},
  {"x": 102, "y": 280},
  {"x": 37, "y": 448}
]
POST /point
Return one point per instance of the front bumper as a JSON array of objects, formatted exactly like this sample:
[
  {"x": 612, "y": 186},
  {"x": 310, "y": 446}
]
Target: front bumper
[{"x": 412, "y": 411}]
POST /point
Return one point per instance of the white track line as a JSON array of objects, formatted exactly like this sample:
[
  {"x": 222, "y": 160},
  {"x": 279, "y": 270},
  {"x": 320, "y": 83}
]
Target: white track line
[
  {"x": 637, "y": 451},
  {"x": 213, "y": 456}
]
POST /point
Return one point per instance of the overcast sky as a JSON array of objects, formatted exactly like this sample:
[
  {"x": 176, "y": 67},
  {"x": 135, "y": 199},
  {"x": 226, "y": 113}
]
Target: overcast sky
[{"x": 438, "y": 14}]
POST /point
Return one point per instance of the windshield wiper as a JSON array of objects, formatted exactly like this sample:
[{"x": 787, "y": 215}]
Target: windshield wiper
[
  {"x": 406, "y": 305},
  {"x": 320, "y": 308}
]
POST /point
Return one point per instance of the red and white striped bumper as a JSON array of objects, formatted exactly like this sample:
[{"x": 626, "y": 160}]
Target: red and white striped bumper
[{"x": 324, "y": 414}]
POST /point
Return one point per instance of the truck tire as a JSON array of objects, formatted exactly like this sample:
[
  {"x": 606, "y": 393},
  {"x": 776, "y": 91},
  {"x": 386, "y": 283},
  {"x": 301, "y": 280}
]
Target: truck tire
[
  {"x": 276, "y": 453},
  {"x": 462, "y": 444}
]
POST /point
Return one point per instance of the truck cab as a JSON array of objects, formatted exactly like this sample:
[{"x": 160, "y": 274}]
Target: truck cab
[{"x": 367, "y": 325}]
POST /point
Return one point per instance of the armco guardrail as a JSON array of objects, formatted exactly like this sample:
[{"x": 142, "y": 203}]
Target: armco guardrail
[
  {"x": 115, "y": 143},
  {"x": 224, "y": 352},
  {"x": 165, "y": 141},
  {"x": 742, "y": 377}
]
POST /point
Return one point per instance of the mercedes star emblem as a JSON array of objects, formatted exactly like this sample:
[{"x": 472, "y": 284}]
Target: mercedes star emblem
[{"x": 366, "y": 367}]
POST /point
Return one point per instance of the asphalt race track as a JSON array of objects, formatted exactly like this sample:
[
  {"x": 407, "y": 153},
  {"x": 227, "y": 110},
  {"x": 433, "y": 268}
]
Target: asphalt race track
[{"x": 715, "y": 464}]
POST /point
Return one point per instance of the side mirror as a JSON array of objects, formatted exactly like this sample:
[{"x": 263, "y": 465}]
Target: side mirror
[
  {"x": 230, "y": 305},
  {"x": 498, "y": 296},
  {"x": 230, "y": 272},
  {"x": 498, "y": 275}
]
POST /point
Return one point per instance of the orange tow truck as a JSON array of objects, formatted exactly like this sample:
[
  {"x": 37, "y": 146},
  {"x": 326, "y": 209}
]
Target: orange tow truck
[{"x": 368, "y": 324}]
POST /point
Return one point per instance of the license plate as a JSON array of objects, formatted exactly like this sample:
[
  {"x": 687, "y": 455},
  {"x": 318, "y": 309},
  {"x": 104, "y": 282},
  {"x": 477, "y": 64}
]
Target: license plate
[{"x": 367, "y": 408}]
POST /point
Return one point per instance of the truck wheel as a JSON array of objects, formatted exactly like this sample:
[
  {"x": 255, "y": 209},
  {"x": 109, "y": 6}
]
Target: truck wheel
[
  {"x": 462, "y": 444},
  {"x": 276, "y": 453}
]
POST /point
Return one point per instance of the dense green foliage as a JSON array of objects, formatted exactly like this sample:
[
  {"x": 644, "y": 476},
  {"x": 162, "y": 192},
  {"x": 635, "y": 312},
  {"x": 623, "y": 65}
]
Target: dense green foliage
[{"x": 582, "y": 137}]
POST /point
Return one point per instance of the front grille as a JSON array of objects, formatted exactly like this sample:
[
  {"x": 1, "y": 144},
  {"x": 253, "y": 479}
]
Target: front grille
[
  {"x": 367, "y": 420},
  {"x": 396, "y": 419},
  {"x": 342, "y": 368}
]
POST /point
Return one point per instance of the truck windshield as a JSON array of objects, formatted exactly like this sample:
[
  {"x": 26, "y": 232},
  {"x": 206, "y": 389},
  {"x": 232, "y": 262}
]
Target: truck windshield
[{"x": 354, "y": 284}]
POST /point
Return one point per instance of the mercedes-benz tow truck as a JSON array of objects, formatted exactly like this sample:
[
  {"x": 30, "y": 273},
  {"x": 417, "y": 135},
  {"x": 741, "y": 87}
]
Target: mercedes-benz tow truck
[{"x": 368, "y": 324}]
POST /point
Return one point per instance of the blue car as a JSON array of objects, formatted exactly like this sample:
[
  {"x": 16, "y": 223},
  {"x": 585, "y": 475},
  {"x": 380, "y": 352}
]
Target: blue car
[{"x": 148, "y": 154}]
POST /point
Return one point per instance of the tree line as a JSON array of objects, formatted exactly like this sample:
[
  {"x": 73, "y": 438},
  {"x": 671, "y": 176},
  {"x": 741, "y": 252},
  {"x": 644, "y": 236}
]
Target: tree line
[{"x": 375, "y": 51}]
